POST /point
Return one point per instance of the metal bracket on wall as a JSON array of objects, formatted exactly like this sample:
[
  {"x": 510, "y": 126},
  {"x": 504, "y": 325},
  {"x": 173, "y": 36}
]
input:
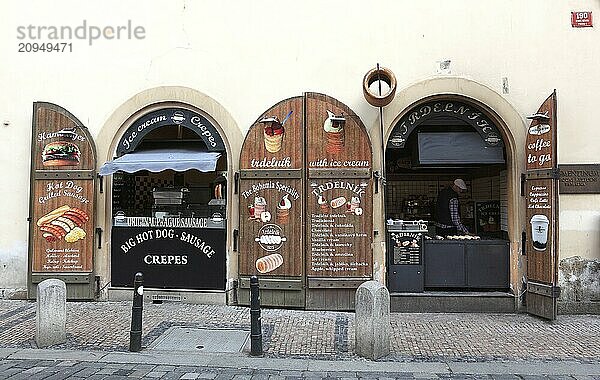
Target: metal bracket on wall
[
  {"x": 236, "y": 182},
  {"x": 236, "y": 234},
  {"x": 101, "y": 183},
  {"x": 64, "y": 174},
  {"x": 264, "y": 174},
  {"x": 376, "y": 177},
  {"x": 523, "y": 180},
  {"x": 544, "y": 174},
  {"x": 543, "y": 289},
  {"x": 99, "y": 233}
]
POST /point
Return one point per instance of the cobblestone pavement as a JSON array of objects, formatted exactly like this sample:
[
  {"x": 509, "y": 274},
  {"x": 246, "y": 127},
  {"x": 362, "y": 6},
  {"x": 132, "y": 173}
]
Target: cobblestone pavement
[{"x": 324, "y": 335}]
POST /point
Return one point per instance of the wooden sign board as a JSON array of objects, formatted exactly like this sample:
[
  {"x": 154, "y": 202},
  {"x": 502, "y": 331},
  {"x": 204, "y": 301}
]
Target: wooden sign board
[
  {"x": 336, "y": 138},
  {"x": 540, "y": 228},
  {"x": 62, "y": 202},
  {"x": 542, "y": 211},
  {"x": 271, "y": 227},
  {"x": 579, "y": 179},
  {"x": 339, "y": 196},
  {"x": 62, "y": 226},
  {"x": 540, "y": 149}
]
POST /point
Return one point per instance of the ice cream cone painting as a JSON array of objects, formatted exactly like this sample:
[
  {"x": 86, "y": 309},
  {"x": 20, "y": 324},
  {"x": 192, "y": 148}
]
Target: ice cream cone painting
[
  {"x": 334, "y": 133},
  {"x": 273, "y": 132},
  {"x": 283, "y": 209}
]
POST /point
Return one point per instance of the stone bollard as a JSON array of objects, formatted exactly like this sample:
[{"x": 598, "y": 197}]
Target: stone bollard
[
  {"x": 372, "y": 320},
  {"x": 51, "y": 313}
]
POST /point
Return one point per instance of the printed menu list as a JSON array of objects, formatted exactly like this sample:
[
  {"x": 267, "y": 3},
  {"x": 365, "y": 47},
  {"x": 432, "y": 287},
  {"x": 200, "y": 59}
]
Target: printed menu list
[{"x": 335, "y": 239}]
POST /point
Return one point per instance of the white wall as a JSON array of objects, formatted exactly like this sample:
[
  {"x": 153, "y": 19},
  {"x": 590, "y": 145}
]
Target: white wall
[{"x": 249, "y": 55}]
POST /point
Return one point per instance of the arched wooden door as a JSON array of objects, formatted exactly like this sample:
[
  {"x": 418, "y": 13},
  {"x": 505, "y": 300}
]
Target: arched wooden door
[
  {"x": 306, "y": 214},
  {"x": 62, "y": 202}
]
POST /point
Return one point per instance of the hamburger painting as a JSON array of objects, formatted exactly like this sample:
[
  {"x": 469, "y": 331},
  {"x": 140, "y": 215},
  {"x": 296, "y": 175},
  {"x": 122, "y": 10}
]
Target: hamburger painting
[{"x": 61, "y": 153}]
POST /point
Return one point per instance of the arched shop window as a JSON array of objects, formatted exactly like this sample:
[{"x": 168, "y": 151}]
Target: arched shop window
[
  {"x": 169, "y": 202},
  {"x": 433, "y": 144}
]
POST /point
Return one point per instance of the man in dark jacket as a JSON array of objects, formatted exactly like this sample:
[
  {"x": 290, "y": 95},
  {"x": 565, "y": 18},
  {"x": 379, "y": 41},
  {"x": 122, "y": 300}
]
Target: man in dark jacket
[{"x": 447, "y": 208}]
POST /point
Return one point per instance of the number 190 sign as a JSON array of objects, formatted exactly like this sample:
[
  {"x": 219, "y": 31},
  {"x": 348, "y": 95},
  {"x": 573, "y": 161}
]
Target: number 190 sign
[{"x": 581, "y": 19}]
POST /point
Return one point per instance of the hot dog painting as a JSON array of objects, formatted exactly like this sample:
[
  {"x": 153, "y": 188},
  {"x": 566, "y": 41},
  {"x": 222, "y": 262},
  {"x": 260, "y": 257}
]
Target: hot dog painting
[{"x": 63, "y": 223}]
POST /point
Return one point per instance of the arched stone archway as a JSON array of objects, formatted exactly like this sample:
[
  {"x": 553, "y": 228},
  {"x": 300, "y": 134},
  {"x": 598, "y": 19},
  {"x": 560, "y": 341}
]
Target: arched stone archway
[
  {"x": 511, "y": 126},
  {"x": 117, "y": 124}
]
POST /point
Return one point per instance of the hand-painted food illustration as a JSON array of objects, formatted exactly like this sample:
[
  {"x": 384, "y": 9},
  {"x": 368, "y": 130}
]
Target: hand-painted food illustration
[
  {"x": 61, "y": 153},
  {"x": 273, "y": 133},
  {"x": 269, "y": 263},
  {"x": 270, "y": 239},
  {"x": 260, "y": 204},
  {"x": 352, "y": 204},
  {"x": 63, "y": 223},
  {"x": 338, "y": 202},
  {"x": 283, "y": 209},
  {"x": 334, "y": 132},
  {"x": 358, "y": 211},
  {"x": 323, "y": 203},
  {"x": 265, "y": 216}
]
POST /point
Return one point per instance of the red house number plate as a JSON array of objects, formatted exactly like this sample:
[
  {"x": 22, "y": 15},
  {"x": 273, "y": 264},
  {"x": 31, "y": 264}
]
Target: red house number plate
[{"x": 581, "y": 19}]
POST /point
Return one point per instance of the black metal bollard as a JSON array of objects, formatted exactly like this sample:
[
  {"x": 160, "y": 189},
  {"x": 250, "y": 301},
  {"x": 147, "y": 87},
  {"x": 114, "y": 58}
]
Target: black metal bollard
[
  {"x": 256, "y": 347},
  {"x": 135, "y": 335}
]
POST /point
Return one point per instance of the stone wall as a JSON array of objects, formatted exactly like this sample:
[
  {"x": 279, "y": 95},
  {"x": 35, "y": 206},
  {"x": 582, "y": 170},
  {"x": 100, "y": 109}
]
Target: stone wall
[{"x": 579, "y": 280}]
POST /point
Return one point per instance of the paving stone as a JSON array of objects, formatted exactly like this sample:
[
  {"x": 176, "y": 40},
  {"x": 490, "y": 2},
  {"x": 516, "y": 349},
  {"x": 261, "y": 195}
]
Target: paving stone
[
  {"x": 155, "y": 374},
  {"x": 189, "y": 376},
  {"x": 207, "y": 375}
]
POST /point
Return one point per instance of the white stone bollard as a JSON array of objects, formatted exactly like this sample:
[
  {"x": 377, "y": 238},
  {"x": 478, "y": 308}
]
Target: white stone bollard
[
  {"x": 51, "y": 313},
  {"x": 372, "y": 320}
]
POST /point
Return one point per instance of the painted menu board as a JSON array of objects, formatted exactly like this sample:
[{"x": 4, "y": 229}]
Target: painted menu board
[
  {"x": 271, "y": 227},
  {"x": 62, "y": 192},
  {"x": 487, "y": 218},
  {"x": 339, "y": 228},
  {"x": 339, "y": 195}
]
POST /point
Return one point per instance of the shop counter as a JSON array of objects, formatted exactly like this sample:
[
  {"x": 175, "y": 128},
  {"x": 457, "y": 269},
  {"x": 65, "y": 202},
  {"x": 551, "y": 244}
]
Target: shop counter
[{"x": 466, "y": 263}]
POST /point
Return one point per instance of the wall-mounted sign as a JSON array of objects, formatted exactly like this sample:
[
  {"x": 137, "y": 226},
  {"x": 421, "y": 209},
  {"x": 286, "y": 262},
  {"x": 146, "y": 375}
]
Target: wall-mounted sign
[
  {"x": 581, "y": 19},
  {"x": 174, "y": 258},
  {"x": 444, "y": 108},
  {"x": 62, "y": 192},
  {"x": 579, "y": 179},
  {"x": 170, "y": 116}
]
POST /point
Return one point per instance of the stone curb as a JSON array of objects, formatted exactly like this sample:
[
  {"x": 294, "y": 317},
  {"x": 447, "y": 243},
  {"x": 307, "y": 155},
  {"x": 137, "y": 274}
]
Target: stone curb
[{"x": 241, "y": 361}]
